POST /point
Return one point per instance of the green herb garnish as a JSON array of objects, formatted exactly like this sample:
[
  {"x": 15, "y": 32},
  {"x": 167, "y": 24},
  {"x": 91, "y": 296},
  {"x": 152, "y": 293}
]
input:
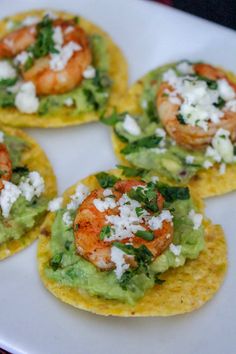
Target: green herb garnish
[
  {"x": 105, "y": 232},
  {"x": 56, "y": 261},
  {"x": 173, "y": 193},
  {"x": 113, "y": 118},
  {"x": 44, "y": 43},
  {"x": 106, "y": 180},
  {"x": 148, "y": 142},
  {"x": 146, "y": 235},
  {"x": 132, "y": 171},
  {"x": 181, "y": 119},
  {"x": 220, "y": 103}
]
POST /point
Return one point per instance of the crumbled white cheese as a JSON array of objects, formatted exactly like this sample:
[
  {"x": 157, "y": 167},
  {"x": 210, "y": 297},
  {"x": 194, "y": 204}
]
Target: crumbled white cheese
[
  {"x": 196, "y": 219},
  {"x": 89, "y": 72},
  {"x": 26, "y": 100},
  {"x": 160, "y": 132},
  {"x": 155, "y": 222},
  {"x": 144, "y": 104},
  {"x": 32, "y": 186},
  {"x": 7, "y": 71},
  {"x": 107, "y": 192},
  {"x": 103, "y": 205},
  {"x": 78, "y": 197},
  {"x": 189, "y": 159},
  {"x": 69, "y": 102},
  {"x": 154, "y": 179},
  {"x": 57, "y": 37},
  {"x": 8, "y": 196},
  {"x": 223, "y": 145},
  {"x": 69, "y": 29},
  {"x": 210, "y": 152},
  {"x": 175, "y": 249},
  {"x": 185, "y": 68},
  {"x": 118, "y": 258},
  {"x": 67, "y": 219},
  {"x": 225, "y": 90},
  {"x": 55, "y": 204},
  {"x": 30, "y": 20},
  {"x": 222, "y": 169},
  {"x": 59, "y": 61},
  {"x": 230, "y": 106},
  {"x": 131, "y": 126},
  {"x": 1, "y": 136},
  {"x": 22, "y": 58},
  {"x": 207, "y": 164},
  {"x": 199, "y": 102}
]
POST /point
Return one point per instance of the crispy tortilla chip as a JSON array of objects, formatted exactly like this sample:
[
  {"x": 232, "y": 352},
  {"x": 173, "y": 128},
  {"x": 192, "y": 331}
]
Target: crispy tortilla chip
[
  {"x": 61, "y": 118},
  {"x": 35, "y": 159},
  {"x": 186, "y": 288},
  {"x": 206, "y": 183}
]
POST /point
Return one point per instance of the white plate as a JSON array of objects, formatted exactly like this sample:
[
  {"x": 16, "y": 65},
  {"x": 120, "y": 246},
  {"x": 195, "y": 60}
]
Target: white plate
[{"x": 31, "y": 319}]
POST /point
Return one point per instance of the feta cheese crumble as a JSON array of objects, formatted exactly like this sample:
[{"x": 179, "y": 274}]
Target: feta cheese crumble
[
  {"x": 175, "y": 249},
  {"x": 22, "y": 58},
  {"x": 78, "y": 197},
  {"x": 131, "y": 126},
  {"x": 200, "y": 102},
  {"x": 223, "y": 145},
  {"x": 59, "y": 61},
  {"x": 69, "y": 102},
  {"x": 30, "y": 20},
  {"x": 8, "y": 196},
  {"x": 222, "y": 169},
  {"x": 207, "y": 164},
  {"x": 189, "y": 159},
  {"x": 7, "y": 71},
  {"x": 196, "y": 219},
  {"x": 55, "y": 204},
  {"x": 32, "y": 186},
  {"x": 118, "y": 258},
  {"x": 89, "y": 72},
  {"x": 103, "y": 205},
  {"x": 66, "y": 218},
  {"x": 155, "y": 222},
  {"x": 26, "y": 100}
]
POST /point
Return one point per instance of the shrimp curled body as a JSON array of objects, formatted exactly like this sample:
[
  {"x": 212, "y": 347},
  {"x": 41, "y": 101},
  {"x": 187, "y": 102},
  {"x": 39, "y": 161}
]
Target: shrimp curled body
[
  {"x": 5, "y": 165},
  {"x": 46, "y": 80},
  {"x": 188, "y": 136},
  {"x": 89, "y": 223}
]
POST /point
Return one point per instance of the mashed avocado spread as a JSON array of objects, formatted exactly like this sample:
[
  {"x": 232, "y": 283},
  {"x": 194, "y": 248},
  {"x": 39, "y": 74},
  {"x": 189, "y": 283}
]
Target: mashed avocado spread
[
  {"x": 69, "y": 269},
  {"x": 24, "y": 214},
  {"x": 151, "y": 149}
]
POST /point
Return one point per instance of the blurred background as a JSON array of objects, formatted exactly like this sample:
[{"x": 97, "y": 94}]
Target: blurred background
[{"x": 220, "y": 11}]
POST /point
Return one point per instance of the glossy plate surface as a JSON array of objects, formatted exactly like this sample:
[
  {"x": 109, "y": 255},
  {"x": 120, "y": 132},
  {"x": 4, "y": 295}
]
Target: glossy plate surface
[{"x": 32, "y": 320}]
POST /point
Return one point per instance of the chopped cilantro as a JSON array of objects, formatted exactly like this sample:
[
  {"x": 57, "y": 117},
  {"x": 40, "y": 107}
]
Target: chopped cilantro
[
  {"x": 56, "y": 261},
  {"x": 44, "y": 43},
  {"x": 132, "y": 171},
  {"x": 146, "y": 196},
  {"x": 148, "y": 142},
  {"x": 139, "y": 211},
  {"x": 7, "y": 82},
  {"x": 181, "y": 119},
  {"x": 113, "y": 118},
  {"x": 220, "y": 103},
  {"x": 106, "y": 180},
  {"x": 29, "y": 63},
  {"x": 105, "y": 232},
  {"x": 146, "y": 235},
  {"x": 212, "y": 84},
  {"x": 173, "y": 193}
]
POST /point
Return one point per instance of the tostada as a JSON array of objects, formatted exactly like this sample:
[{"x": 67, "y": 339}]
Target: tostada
[
  {"x": 126, "y": 247},
  {"x": 179, "y": 122},
  {"x": 27, "y": 183},
  {"x": 57, "y": 69}
]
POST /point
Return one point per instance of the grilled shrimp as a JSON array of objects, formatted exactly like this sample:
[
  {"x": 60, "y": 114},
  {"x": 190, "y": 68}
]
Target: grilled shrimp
[
  {"x": 189, "y": 136},
  {"x": 89, "y": 222},
  {"x": 5, "y": 165},
  {"x": 46, "y": 80}
]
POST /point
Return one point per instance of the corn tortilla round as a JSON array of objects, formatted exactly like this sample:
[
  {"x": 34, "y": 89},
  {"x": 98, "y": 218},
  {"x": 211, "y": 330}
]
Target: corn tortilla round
[
  {"x": 185, "y": 289},
  {"x": 60, "y": 118},
  {"x": 36, "y": 160},
  {"x": 206, "y": 183}
]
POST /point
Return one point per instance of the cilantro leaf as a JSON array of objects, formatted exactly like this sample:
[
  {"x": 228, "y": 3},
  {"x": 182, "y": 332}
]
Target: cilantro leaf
[
  {"x": 132, "y": 171},
  {"x": 220, "y": 103},
  {"x": 44, "y": 43},
  {"x": 7, "y": 82},
  {"x": 106, "y": 180},
  {"x": 105, "y": 232},
  {"x": 180, "y": 118},
  {"x": 148, "y": 142},
  {"x": 173, "y": 193},
  {"x": 146, "y": 235},
  {"x": 56, "y": 261},
  {"x": 146, "y": 196},
  {"x": 113, "y": 118}
]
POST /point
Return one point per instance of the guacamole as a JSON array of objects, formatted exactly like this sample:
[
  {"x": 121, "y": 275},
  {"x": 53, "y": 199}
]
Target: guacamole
[
  {"x": 69, "y": 269},
  {"x": 158, "y": 153},
  {"x": 24, "y": 215}
]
